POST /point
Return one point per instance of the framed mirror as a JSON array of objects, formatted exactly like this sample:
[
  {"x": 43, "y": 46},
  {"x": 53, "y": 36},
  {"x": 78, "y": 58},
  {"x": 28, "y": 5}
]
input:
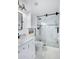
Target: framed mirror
[{"x": 20, "y": 21}]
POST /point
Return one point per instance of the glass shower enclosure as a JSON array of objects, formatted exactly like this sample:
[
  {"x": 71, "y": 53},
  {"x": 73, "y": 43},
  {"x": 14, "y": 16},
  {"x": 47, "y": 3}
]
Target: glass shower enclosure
[{"x": 48, "y": 30}]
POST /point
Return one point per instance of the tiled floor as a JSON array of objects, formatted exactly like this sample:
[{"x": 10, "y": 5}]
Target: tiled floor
[{"x": 48, "y": 53}]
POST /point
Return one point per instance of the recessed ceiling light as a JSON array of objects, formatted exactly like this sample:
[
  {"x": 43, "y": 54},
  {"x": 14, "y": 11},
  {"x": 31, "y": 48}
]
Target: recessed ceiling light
[{"x": 36, "y": 3}]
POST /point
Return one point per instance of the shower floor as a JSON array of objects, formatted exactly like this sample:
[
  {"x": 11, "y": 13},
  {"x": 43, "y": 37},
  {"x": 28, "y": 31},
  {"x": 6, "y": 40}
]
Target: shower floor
[{"x": 48, "y": 53}]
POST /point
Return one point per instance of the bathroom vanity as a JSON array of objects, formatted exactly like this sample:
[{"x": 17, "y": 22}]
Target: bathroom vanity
[
  {"x": 26, "y": 50},
  {"x": 26, "y": 36}
]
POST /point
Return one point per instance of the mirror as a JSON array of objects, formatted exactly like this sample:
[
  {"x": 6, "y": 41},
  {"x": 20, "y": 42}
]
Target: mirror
[{"x": 20, "y": 21}]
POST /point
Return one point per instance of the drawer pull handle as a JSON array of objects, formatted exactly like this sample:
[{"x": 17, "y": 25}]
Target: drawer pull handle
[
  {"x": 18, "y": 51},
  {"x": 28, "y": 45},
  {"x": 23, "y": 48}
]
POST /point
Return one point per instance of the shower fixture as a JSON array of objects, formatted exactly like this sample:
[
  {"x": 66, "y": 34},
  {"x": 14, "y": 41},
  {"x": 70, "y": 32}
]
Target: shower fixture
[
  {"x": 57, "y": 29},
  {"x": 49, "y": 14},
  {"x": 39, "y": 18},
  {"x": 38, "y": 27}
]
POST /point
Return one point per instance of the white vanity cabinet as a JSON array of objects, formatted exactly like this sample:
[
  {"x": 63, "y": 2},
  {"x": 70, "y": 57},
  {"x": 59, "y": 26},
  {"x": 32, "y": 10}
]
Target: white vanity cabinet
[{"x": 27, "y": 50}]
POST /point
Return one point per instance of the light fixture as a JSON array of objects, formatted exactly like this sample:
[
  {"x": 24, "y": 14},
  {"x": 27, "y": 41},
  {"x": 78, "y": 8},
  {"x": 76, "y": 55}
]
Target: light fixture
[
  {"x": 36, "y": 3},
  {"x": 22, "y": 7}
]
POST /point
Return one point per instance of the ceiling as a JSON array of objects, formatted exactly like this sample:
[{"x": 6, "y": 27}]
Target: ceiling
[{"x": 40, "y": 7}]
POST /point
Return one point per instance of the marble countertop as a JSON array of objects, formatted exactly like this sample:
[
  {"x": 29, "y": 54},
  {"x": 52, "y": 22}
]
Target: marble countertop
[{"x": 26, "y": 40}]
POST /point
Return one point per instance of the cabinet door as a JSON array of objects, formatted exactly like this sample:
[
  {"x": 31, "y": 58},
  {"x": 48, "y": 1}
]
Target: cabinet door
[
  {"x": 23, "y": 52},
  {"x": 32, "y": 49},
  {"x": 27, "y": 51},
  {"x": 20, "y": 53}
]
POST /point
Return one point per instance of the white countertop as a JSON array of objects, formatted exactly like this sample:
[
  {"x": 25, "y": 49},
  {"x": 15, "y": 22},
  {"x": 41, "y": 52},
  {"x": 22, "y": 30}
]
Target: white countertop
[{"x": 26, "y": 40}]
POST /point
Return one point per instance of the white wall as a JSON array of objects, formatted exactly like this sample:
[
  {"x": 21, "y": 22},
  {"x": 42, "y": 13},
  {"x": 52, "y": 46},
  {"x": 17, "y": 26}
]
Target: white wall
[{"x": 27, "y": 20}]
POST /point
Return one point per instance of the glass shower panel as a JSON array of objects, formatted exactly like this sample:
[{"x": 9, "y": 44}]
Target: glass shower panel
[{"x": 48, "y": 30}]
